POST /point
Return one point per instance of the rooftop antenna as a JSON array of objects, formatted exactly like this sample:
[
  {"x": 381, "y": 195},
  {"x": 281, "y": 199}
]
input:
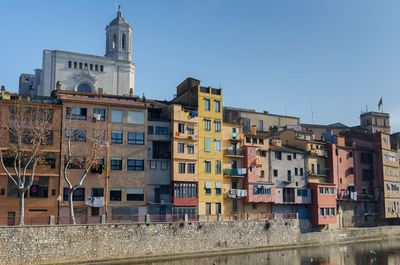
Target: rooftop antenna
[
  {"x": 285, "y": 111},
  {"x": 366, "y": 108},
  {"x": 312, "y": 113}
]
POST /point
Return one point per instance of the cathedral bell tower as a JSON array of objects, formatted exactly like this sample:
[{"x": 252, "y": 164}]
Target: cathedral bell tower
[{"x": 119, "y": 39}]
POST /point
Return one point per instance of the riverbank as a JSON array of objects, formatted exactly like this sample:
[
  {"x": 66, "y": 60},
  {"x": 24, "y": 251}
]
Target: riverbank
[{"x": 134, "y": 243}]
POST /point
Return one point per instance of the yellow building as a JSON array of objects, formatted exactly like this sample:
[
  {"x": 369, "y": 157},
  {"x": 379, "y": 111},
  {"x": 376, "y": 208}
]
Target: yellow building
[{"x": 206, "y": 104}]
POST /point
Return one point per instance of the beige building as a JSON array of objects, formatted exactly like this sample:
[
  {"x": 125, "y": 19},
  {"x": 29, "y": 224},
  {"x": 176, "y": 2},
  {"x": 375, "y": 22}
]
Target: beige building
[
  {"x": 248, "y": 118},
  {"x": 117, "y": 184}
]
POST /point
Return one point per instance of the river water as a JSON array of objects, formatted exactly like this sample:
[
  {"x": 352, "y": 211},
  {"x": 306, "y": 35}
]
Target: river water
[{"x": 371, "y": 253}]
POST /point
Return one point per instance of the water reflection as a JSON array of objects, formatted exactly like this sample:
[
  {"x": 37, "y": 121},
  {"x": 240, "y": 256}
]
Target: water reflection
[{"x": 375, "y": 253}]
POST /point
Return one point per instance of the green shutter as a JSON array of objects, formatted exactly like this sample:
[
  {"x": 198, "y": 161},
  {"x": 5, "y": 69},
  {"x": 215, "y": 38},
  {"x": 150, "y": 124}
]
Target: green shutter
[{"x": 207, "y": 144}]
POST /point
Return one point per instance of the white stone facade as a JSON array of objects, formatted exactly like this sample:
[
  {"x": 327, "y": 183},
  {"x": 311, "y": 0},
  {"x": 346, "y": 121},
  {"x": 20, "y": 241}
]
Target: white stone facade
[{"x": 113, "y": 73}]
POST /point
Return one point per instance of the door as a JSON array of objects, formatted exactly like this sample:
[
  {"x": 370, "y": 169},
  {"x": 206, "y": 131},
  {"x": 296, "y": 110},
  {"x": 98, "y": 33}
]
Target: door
[{"x": 11, "y": 218}]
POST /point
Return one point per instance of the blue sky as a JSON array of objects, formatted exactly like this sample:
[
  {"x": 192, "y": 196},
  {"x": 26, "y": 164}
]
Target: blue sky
[{"x": 283, "y": 56}]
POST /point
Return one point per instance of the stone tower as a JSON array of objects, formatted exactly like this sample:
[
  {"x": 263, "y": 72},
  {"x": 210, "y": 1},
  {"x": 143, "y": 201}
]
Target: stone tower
[
  {"x": 375, "y": 122},
  {"x": 119, "y": 39}
]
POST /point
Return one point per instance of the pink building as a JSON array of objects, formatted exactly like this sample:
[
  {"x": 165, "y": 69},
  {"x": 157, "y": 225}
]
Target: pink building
[{"x": 323, "y": 207}]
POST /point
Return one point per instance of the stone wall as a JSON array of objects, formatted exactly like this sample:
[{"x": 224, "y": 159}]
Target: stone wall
[{"x": 36, "y": 245}]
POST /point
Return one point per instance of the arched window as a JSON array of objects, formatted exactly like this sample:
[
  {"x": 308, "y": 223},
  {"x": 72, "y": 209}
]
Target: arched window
[
  {"x": 124, "y": 42},
  {"x": 84, "y": 88},
  {"x": 114, "y": 43}
]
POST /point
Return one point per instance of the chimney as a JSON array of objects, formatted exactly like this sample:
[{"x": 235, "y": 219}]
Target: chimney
[
  {"x": 131, "y": 92},
  {"x": 253, "y": 130}
]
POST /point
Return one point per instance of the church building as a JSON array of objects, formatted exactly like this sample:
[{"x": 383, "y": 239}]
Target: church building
[{"x": 113, "y": 73}]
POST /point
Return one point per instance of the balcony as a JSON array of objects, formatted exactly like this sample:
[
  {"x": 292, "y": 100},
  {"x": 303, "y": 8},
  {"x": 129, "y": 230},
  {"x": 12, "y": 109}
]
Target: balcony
[
  {"x": 233, "y": 153},
  {"x": 320, "y": 173},
  {"x": 354, "y": 196},
  {"x": 237, "y": 193},
  {"x": 318, "y": 152},
  {"x": 235, "y": 172}
]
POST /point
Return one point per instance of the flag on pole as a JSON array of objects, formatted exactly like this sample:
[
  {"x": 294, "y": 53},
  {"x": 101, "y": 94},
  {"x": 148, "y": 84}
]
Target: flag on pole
[{"x": 380, "y": 104}]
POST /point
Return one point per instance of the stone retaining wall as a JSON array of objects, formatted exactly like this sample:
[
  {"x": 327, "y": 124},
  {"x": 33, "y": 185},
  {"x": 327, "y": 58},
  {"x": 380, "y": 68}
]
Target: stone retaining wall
[{"x": 38, "y": 245}]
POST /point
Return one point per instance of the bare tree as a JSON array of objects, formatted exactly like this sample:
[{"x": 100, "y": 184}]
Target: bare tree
[
  {"x": 78, "y": 158},
  {"x": 29, "y": 133}
]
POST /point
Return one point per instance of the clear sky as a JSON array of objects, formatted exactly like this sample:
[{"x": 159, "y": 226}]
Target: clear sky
[{"x": 284, "y": 56}]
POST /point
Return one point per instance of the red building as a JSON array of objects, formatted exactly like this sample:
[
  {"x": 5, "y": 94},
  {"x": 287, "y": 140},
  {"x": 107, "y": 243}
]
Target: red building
[{"x": 323, "y": 207}]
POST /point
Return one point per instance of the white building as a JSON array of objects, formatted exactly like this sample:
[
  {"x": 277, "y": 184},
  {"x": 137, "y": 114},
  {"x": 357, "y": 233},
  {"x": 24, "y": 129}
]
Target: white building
[{"x": 113, "y": 73}]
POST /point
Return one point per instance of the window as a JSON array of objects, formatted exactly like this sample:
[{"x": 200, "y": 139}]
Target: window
[
  {"x": 191, "y": 168},
  {"x": 296, "y": 171},
  {"x": 217, "y": 146},
  {"x": 91, "y": 67},
  {"x": 161, "y": 130},
  {"x": 153, "y": 164},
  {"x": 101, "y": 68},
  {"x": 135, "y": 164},
  {"x": 321, "y": 211},
  {"x": 136, "y": 138},
  {"x": 289, "y": 175},
  {"x": 218, "y": 208},
  {"x": 278, "y": 155},
  {"x": 123, "y": 42},
  {"x": 150, "y": 130},
  {"x": 217, "y": 125},
  {"x": 182, "y": 168},
  {"x": 218, "y": 188},
  {"x": 39, "y": 188},
  {"x": 117, "y": 116},
  {"x": 116, "y": 137},
  {"x": 332, "y": 190},
  {"x": 321, "y": 190},
  {"x": 76, "y": 135},
  {"x": 101, "y": 112},
  {"x": 69, "y": 64},
  {"x": 96, "y": 67},
  {"x": 207, "y": 166},
  {"x": 79, "y": 194},
  {"x": 95, "y": 211},
  {"x": 260, "y": 125},
  {"x": 164, "y": 165},
  {"x": 208, "y": 208},
  {"x": 207, "y": 125},
  {"x": 116, "y": 163},
  {"x": 190, "y": 149},
  {"x": 301, "y": 171},
  {"x": 217, "y": 106},
  {"x": 80, "y": 65},
  {"x": 136, "y": 117},
  {"x": 185, "y": 190},
  {"x": 218, "y": 168},
  {"x": 135, "y": 194},
  {"x": 181, "y": 148},
  {"x": 76, "y": 113},
  {"x": 181, "y": 127},
  {"x": 332, "y": 211},
  {"x": 206, "y": 104},
  {"x": 294, "y": 155},
  {"x": 190, "y": 129},
  {"x": 207, "y": 187},
  {"x": 207, "y": 144},
  {"x": 289, "y": 157},
  {"x": 302, "y": 193},
  {"x": 367, "y": 174},
  {"x": 275, "y": 172},
  {"x": 97, "y": 192},
  {"x": 261, "y": 189},
  {"x": 366, "y": 158},
  {"x": 115, "y": 194}
]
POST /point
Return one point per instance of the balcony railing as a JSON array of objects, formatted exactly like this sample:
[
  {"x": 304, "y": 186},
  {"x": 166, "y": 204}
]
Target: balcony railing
[
  {"x": 318, "y": 152},
  {"x": 321, "y": 173},
  {"x": 235, "y": 172},
  {"x": 354, "y": 196},
  {"x": 230, "y": 152},
  {"x": 237, "y": 193}
]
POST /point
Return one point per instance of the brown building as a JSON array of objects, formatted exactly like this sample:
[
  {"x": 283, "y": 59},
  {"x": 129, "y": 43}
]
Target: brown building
[
  {"x": 41, "y": 198},
  {"x": 116, "y": 186}
]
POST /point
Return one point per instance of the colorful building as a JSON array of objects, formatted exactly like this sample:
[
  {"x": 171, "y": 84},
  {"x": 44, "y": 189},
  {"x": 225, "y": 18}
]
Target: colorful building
[{"x": 206, "y": 104}]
